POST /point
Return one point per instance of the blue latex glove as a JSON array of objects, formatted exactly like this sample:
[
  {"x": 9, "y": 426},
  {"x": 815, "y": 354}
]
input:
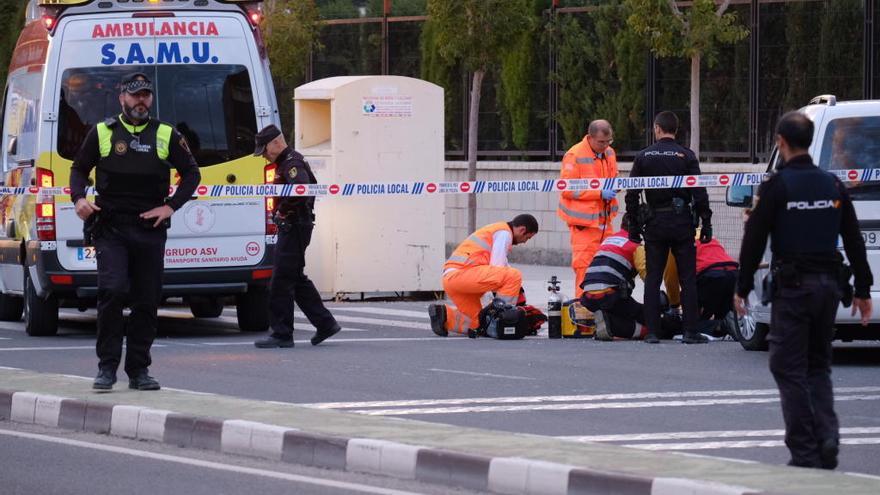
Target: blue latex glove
[{"x": 608, "y": 194}]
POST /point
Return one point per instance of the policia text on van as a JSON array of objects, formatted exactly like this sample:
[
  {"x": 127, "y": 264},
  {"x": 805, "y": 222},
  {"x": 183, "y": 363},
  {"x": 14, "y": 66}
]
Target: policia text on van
[{"x": 59, "y": 87}]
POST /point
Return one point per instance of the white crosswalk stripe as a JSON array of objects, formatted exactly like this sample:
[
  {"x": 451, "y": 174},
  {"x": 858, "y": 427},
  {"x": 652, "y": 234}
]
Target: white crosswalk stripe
[
  {"x": 745, "y": 439},
  {"x": 581, "y": 402}
]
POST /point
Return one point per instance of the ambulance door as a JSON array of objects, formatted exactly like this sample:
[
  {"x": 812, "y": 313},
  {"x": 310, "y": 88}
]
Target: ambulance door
[{"x": 206, "y": 87}]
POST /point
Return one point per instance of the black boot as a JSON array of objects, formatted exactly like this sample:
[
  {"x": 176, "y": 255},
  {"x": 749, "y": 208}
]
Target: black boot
[
  {"x": 142, "y": 381},
  {"x": 828, "y": 451},
  {"x": 105, "y": 379},
  {"x": 323, "y": 335},
  {"x": 693, "y": 337},
  {"x": 437, "y": 312},
  {"x": 273, "y": 341},
  {"x": 651, "y": 339}
]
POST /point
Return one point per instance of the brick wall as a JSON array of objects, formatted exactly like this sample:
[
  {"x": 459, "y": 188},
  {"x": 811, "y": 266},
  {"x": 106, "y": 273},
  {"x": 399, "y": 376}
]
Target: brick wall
[{"x": 551, "y": 245}]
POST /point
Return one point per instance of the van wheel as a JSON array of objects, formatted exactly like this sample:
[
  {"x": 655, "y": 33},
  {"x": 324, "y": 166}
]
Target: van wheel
[
  {"x": 253, "y": 310},
  {"x": 206, "y": 307},
  {"x": 752, "y": 335},
  {"x": 40, "y": 314},
  {"x": 11, "y": 307}
]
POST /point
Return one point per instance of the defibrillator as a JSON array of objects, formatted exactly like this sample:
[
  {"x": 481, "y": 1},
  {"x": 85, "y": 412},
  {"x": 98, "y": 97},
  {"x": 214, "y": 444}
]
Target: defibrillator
[{"x": 577, "y": 321}]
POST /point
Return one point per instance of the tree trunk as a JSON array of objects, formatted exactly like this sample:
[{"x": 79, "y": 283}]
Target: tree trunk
[
  {"x": 695, "y": 104},
  {"x": 473, "y": 131}
]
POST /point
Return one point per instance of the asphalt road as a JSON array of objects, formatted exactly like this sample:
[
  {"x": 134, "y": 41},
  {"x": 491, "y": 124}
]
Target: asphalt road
[
  {"x": 713, "y": 399},
  {"x": 80, "y": 462}
]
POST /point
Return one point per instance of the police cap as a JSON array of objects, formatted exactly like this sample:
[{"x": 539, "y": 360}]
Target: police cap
[
  {"x": 264, "y": 137},
  {"x": 137, "y": 81}
]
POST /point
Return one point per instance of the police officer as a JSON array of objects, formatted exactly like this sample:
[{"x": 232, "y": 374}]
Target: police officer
[
  {"x": 128, "y": 223},
  {"x": 804, "y": 209},
  {"x": 667, "y": 222},
  {"x": 295, "y": 218}
]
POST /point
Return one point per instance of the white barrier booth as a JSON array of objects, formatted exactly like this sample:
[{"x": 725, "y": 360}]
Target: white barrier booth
[{"x": 386, "y": 131}]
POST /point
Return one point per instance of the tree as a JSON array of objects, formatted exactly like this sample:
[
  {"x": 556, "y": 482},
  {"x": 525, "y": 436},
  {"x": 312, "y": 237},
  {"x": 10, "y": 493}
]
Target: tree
[
  {"x": 695, "y": 34},
  {"x": 291, "y": 31},
  {"x": 477, "y": 34},
  {"x": 600, "y": 71}
]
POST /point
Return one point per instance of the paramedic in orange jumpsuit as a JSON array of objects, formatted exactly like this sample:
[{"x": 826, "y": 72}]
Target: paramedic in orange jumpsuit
[
  {"x": 479, "y": 265},
  {"x": 589, "y": 213}
]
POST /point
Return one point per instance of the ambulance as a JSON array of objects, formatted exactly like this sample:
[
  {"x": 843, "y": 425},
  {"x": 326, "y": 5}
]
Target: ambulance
[
  {"x": 846, "y": 137},
  {"x": 211, "y": 76}
]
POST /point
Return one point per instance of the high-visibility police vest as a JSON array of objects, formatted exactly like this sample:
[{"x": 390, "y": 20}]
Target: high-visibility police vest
[
  {"x": 586, "y": 208},
  {"x": 613, "y": 265},
  {"x": 808, "y": 217},
  {"x": 477, "y": 248},
  {"x": 133, "y": 161}
]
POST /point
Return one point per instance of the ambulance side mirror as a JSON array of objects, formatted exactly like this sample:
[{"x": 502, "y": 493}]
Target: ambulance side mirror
[{"x": 740, "y": 196}]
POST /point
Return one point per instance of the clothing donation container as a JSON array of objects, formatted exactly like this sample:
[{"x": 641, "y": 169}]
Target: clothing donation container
[{"x": 378, "y": 142}]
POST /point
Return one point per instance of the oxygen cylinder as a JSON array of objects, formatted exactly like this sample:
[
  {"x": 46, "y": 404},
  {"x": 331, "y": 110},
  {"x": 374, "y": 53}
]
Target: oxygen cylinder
[{"x": 554, "y": 309}]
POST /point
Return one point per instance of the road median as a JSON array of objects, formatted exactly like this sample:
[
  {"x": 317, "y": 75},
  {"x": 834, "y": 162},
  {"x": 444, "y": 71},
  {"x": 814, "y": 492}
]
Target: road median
[{"x": 472, "y": 458}]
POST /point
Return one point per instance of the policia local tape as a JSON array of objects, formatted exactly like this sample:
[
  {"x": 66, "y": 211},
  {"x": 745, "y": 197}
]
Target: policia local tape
[{"x": 422, "y": 188}]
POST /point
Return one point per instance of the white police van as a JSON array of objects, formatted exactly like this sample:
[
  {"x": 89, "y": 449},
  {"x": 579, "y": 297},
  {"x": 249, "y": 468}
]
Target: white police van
[
  {"x": 847, "y": 136},
  {"x": 212, "y": 81}
]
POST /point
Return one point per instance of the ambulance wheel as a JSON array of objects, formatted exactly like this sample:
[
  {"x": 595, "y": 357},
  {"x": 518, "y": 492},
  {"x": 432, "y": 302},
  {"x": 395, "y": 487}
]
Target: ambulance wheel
[
  {"x": 751, "y": 334},
  {"x": 206, "y": 307},
  {"x": 252, "y": 308},
  {"x": 40, "y": 314},
  {"x": 11, "y": 307}
]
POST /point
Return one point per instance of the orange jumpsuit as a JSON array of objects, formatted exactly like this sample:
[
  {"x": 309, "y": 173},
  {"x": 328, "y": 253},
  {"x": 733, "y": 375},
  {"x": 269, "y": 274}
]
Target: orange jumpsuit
[
  {"x": 468, "y": 274},
  {"x": 588, "y": 216}
]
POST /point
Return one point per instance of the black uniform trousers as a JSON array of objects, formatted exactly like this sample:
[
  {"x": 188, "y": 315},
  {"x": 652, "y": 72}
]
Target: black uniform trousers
[
  {"x": 290, "y": 284},
  {"x": 666, "y": 232},
  {"x": 130, "y": 265},
  {"x": 622, "y": 312},
  {"x": 715, "y": 290},
  {"x": 801, "y": 330}
]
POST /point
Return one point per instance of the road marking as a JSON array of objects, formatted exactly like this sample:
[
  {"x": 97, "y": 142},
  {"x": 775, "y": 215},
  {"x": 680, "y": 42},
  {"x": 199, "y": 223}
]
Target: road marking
[
  {"x": 410, "y": 325},
  {"x": 743, "y": 444},
  {"x": 422, "y": 315},
  {"x": 568, "y": 398},
  {"x": 60, "y": 348},
  {"x": 683, "y": 435},
  {"x": 5, "y": 338},
  {"x": 587, "y": 406},
  {"x": 356, "y": 339},
  {"x": 474, "y": 373},
  {"x": 217, "y": 466}
]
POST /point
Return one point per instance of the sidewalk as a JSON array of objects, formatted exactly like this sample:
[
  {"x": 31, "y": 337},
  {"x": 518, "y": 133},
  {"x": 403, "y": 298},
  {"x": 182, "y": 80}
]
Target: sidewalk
[{"x": 496, "y": 461}]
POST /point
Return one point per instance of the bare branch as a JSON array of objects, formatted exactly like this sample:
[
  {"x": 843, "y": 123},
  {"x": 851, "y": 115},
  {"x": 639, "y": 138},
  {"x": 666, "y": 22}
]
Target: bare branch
[{"x": 722, "y": 8}]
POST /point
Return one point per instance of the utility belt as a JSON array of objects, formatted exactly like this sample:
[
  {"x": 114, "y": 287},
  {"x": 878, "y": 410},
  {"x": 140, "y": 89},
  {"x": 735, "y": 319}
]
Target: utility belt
[
  {"x": 646, "y": 213},
  {"x": 789, "y": 275},
  {"x": 102, "y": 222},
  {"x": 286, "y": 223}
]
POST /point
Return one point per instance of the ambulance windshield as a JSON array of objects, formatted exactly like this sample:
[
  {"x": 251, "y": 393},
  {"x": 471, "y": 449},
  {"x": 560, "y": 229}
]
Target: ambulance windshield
[
  {"x": 212, "y": 106},
  {"x": 853, "y": 143}
]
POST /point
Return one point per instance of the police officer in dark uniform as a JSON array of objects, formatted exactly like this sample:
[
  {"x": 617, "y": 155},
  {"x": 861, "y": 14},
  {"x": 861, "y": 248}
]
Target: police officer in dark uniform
[
  {"x": 804, "y": 209},
  {"x": 295, "y": 218},
  {"x": 128, "y": 224},
  {"x": 667, "y": 223}
]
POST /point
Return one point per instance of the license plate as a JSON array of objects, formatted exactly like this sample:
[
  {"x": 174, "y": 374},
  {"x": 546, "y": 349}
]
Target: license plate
[
  {"x": 872, "y": 238},
  {"x": 85, "y": 253}
]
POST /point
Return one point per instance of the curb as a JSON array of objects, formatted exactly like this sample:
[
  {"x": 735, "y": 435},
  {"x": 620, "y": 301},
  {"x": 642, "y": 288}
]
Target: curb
[{"x": 503, "y": 475}]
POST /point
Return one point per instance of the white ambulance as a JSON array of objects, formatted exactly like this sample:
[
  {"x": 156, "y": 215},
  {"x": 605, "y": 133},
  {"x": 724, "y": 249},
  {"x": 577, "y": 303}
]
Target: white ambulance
[
  {"x": 212, "y": 81},
  {"x": 846, "y": 137}
]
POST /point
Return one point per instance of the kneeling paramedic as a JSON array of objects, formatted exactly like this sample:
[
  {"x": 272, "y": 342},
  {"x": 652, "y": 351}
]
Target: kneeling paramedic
[
  {"x": 479, "y": 265},
  {"x": 607, "y": 289},
  {"x": 804, "y": 209},
  {"x": 128, "y": 223}
]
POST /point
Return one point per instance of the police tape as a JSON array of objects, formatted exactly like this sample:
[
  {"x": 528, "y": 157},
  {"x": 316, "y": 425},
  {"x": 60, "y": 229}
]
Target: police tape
[{"x": 424, "y": 188}]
